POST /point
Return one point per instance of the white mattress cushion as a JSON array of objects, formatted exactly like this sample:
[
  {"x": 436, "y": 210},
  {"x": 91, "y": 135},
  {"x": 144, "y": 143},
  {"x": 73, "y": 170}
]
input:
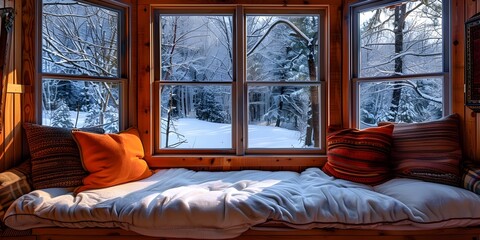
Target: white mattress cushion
[{"x": 184, "y": 203}]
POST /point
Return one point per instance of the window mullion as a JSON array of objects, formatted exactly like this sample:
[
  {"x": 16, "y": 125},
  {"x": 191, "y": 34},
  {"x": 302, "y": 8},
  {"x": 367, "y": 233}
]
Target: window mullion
[{"x": 239, "y": 89}]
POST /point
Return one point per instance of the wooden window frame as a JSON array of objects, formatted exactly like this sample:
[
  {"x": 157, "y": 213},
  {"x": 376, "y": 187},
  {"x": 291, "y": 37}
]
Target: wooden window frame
[
  {"x": 124, "y": 65},
  {"x": 239, "y": 85}
]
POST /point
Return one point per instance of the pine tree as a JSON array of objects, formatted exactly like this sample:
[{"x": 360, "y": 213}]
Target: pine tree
[
  {"x": 111, "y": 119},
  {"x": 61, "y": 116},
  {"x": 93, "y": 116},
  {"x": 208, "y": 109}
]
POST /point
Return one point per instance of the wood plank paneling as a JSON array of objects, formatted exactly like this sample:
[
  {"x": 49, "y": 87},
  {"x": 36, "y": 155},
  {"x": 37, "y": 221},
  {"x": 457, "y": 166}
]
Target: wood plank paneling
[
  {"x": 133, "y": 90},
  {"x": 335, "y": 66},
  {"x": 144, "y": 82},
  {"x": 345, "y": 90},
  {"x": 470, "y": 130},
  {"x": 458, "y": 55},
  {"x": 28, "y": 59},
  {"x": 477, "y": 139},
  {"x": 10, "y": 137},
  {"x": 228, "y": 163}
]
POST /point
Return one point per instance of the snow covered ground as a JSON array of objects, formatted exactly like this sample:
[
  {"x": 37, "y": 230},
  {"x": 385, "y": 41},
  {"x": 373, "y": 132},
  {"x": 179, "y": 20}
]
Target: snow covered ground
[
  {"x": 202, "y": 134},
  {"x": 73, "y": 116}
]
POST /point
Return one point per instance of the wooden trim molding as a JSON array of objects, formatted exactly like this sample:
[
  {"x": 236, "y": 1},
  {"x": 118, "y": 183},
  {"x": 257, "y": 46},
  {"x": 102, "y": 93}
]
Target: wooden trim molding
[
  {"x": 281, "y": 234},
  {"x": 231, "y": 163}
]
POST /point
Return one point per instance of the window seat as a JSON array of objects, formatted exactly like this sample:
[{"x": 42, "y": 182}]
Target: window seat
[{"x": 181, "y": 203}]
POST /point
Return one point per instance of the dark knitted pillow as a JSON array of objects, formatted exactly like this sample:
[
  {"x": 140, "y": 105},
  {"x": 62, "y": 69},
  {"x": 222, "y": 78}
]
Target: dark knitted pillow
[
  {"x": 428, "y": 151},
  {"x": 55, "y": 156}
]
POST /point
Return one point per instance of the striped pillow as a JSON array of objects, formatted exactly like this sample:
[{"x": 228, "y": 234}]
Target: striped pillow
[
  {"x": 13, "y": 184},
  {"x": 360, "y": 155},
  {"x": 471, "y": 177},
  {"x": 55, "y": 156},
  {"x": 428, "y": 151}
]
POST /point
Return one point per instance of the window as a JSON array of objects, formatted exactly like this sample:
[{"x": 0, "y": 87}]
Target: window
[
  {"x": 239, "y": 80},
  {"x": 400, "y": 61},
  {"x": 83, "y": 73}
]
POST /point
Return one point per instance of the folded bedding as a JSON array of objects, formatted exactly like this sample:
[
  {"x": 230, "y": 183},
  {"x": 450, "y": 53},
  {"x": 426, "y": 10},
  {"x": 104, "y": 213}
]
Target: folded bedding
[{"x": 194, "y": 204}]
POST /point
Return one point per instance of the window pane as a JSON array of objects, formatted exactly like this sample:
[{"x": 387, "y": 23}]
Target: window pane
[
  {"x": 80, "y": 104},
  {"x": 196, "y": 48},
  {"x": 400, "y": 101},
  {"x": 401, "y": 39},
  {"x": 79, "y": 39},
  {"x": 282, "y": 47},
  {"x": 196, "y": 117},
  {"x": 281, "y": 117}
]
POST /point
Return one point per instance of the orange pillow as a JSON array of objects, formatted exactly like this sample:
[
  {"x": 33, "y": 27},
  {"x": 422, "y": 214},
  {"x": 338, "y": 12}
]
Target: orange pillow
[{"x": 111, "y": 159}]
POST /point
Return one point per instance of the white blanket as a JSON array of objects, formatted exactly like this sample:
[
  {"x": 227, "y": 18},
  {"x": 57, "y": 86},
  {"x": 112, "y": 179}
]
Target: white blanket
[{"x": 184, "y": 203}]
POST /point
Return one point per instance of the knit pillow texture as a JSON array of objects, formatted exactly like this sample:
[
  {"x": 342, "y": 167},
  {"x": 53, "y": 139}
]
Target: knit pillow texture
[
  {"x": 55, "y": 156},
  {"x": 360, "y": 155}
]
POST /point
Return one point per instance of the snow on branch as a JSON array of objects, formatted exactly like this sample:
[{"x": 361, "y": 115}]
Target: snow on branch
[{"x": 289, "y": 24}]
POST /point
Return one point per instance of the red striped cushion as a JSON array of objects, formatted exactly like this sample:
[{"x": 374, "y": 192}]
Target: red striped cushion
[
  {"x": 360, "y": 155},
  {"x": 428, "y": 151}
]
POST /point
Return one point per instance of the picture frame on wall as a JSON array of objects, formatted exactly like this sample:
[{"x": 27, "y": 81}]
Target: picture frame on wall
[
  {"x": 472, "y": 63},
  {"x": 6, "y": 29}
]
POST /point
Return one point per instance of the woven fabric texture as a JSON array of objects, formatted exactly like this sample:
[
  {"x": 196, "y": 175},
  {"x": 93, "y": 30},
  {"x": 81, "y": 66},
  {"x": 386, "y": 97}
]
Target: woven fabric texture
[
  {"x": 360, "y": 155},
  {"x": 471, "y": 177},
  {"x": 428, "y": 151},
  {"x": 55, "y": 156},
  {"x": 13, "y": 184}
]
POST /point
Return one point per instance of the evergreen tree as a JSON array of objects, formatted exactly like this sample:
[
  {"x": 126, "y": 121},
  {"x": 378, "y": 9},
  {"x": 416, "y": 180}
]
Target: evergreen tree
[
  {"x": 111, "y": 119},
  {"x": 93, "y": 116},
  {"x": 61, "y": 116},
  {"x": 208, "y": 109}
]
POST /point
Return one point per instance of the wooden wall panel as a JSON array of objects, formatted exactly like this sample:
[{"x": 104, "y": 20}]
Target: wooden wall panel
[
  {"x": 28, "y": 59},
  {"x": 476, "y": 146},
  {"x": 144, "y": 81},
  {"x": 458, "y": 66},
  {"x": 10, "y": 136},
  {"x": 335, "y": 66},
  {"x": 461, "y": 10}
]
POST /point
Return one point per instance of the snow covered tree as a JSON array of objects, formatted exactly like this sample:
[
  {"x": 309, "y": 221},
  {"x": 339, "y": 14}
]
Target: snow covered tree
[
  {"x": 400, "y": 40},
  {"x": 285, "y": 51},
  {"x": 167, "y": 124},
  {"x": 195, "y": 49},
  {"x": 81, "y": 39},
  {"x": 61, "y": 116},
  {"x": 207, "y": 108}
]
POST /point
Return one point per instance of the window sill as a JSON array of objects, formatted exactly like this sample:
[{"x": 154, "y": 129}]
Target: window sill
[{"x": 232, "y": 162}]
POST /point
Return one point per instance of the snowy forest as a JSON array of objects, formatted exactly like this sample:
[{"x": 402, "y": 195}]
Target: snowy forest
[
  {"x": 197, "y": 73},
  {"x": 80, "y": 40},
  {"x": 197, "y": 68},
  {"x": 398, "y": 41}
]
